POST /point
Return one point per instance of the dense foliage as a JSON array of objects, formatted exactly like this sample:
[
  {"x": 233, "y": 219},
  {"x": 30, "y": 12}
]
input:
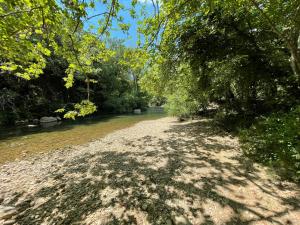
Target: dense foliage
[
  {"x": 241, "y": 57},
  {"x": 113, "y": 91},
  {"x": 275, "y": 140},
  {"x": 43, "y": 42},
  {"x": 34, "y": 32},
  {"x": 224, "y": 57}
]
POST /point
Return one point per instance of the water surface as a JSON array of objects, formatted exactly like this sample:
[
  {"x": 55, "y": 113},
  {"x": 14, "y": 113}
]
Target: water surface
[{"x": 19, "y": 142}]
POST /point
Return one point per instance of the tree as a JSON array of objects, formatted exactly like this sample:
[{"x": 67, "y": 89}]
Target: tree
[
  {"x": 32, "y": 30},
  {"x": 281, "y": 17}
]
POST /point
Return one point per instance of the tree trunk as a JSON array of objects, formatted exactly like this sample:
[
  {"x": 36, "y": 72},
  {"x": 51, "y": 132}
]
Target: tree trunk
[
  {"x": 88, "y": 88},
  {"x": 295, "y": 58},
  {"x": 292, "y": 40}
]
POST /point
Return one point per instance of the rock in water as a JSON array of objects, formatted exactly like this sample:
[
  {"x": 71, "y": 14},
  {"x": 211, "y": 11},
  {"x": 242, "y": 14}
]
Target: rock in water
[
  {"x": 35, "y": 121},
  {"x": 31, "y": 125},
  {"x": 137, "y": 111},
  {"x": 46, "y": 119},
  {"x": 6, "y": 212},
  {"x": 180, "y": 220}
]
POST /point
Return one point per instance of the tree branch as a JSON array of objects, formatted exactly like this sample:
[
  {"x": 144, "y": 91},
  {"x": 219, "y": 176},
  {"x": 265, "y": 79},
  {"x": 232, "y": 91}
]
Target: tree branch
[
  {"x": 21, "y": 11},
  {"x": 111, "y": 10},
  {"x": 75, "y": 53},
  {"x": 99, "y": 14}
]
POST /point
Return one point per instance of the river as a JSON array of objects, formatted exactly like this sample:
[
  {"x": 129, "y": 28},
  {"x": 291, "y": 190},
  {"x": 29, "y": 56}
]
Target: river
[{"x": 20, "y": 142}]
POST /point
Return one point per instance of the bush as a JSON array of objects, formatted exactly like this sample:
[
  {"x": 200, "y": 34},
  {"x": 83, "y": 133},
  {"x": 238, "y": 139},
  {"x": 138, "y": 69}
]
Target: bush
[
  {"x": 232, "y": 121},
  {"x": 275, "y": 141}
]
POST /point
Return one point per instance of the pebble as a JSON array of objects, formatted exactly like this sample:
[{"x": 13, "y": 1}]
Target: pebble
[
  {"x": 9, "y": 222},
  {"x": 169, "y": 222},
  {"x": 180, "y": 220},
  {"x": 144, "y": 206},
  {"x": 6, "y": 212}
]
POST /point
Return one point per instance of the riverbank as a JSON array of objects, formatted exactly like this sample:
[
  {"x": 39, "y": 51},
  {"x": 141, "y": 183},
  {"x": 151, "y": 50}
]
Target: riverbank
[{"x": 155, "y": 172}]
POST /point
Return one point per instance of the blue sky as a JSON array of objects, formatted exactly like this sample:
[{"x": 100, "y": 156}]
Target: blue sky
[{"x": 131, "y": 39}]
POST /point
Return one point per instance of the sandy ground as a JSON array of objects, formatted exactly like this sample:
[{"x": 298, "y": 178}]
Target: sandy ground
[{"x": 156, "y": 172}]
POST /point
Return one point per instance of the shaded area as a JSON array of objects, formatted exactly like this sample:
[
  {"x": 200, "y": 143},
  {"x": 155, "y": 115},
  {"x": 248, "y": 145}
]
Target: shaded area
[{"x": 196, "y": 172}]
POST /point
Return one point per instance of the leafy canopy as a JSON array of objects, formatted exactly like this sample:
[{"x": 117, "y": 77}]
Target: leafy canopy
[{"x": 33, "y": 30}]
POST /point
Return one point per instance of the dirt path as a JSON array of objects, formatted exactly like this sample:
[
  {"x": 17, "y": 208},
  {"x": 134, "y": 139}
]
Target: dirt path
[{"x": 156, "y": 172}]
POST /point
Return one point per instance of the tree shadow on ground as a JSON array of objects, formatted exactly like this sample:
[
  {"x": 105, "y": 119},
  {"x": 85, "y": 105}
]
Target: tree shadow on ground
[{"x": 196, "y": 173}]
